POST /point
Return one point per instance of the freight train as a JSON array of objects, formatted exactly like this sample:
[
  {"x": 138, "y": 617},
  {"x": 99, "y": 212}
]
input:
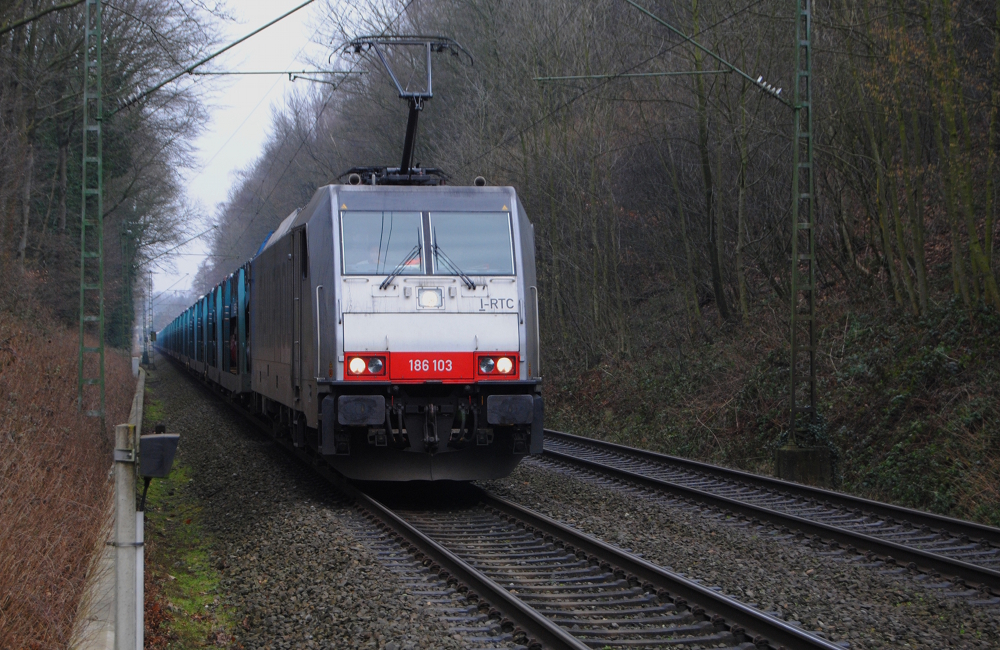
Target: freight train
[{"x": 390, "y": 328}]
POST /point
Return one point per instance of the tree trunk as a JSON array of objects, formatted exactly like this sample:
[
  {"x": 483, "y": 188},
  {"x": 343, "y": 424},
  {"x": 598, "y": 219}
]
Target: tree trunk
[
  {"x": 741, "y": 226},
  {"x": 597, "y": 291},
  {"x": 883, "y": 222},
  {"x": 555, "y": 270},
  {"x": 962, "y": 164},
  {"x": 691, "y": 283},
  {"x": 882, "y": 188},
  {"x": 913, "y": 198},
  {"x": 914, "y": 202},
  {"x": 714, "y": 236},
  {"x": 897, "y": 221},
  {"x": 48, "y": 212},
  {"x": 959, "y": 278},
  {"x": 29, "y": 165},
  {"x": 63, "y": 155},
  {"x": 991, "y": 140},
  {"x": 881, "y": 197}
]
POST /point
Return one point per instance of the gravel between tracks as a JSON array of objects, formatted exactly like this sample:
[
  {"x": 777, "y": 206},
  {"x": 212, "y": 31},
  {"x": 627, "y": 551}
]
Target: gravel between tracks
[
  {"x": 293, "y": 574},
  {"x": 835, "y": 596}
]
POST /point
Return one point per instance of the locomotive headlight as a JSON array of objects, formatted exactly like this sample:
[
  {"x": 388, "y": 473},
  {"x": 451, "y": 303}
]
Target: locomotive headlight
[
  {"x": 486, "y": 365},
  {"x": 504, "y": 365},
  {"x": 357, "y": 365},
  {"x": 430, "y": 298},
  {"x": 375, "y": 365}
]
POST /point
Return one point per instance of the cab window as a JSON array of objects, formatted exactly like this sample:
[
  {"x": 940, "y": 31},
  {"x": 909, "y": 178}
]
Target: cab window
[
  {"x": 473, "y": 243},
  {"x": 375, "y": 243}
]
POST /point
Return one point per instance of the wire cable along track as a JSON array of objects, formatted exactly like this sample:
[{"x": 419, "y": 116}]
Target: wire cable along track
[
  {"x": 918, "y": 540},
  {"x": 564, "y": 589}
]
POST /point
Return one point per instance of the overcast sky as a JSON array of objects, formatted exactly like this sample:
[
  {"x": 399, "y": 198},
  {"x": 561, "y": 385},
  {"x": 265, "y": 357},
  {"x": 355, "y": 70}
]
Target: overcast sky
[{"x": 240, "y": 110}]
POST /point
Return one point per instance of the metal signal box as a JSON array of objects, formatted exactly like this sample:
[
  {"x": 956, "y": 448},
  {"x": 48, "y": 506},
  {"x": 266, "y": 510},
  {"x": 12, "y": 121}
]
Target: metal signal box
[{"x": 156, "y": 454}]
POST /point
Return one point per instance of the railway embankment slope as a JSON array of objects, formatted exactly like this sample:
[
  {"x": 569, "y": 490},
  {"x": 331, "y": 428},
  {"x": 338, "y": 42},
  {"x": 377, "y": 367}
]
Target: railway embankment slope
[
  {"x": 910, "y": 407},
  {"x": 55, "y": 488}
]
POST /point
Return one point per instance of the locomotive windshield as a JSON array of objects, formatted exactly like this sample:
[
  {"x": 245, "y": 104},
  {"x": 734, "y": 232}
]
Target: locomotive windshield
[
  {"x": 474, "y": 243},
  {"x": 375, "y": 243},
  {"x": 463, "y": 243}
]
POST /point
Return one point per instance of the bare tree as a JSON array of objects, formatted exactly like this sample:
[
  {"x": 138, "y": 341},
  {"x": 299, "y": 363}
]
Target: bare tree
[{"x": 145, "y": 145}]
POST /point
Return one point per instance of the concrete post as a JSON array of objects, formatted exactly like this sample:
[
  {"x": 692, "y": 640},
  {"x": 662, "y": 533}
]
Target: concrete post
[
  {"x": 125, "y": 538},
  {"x": 140, "y": 570}
]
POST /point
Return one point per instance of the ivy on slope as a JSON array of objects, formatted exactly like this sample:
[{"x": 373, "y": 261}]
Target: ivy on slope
[{"x": 908, "y": 407}]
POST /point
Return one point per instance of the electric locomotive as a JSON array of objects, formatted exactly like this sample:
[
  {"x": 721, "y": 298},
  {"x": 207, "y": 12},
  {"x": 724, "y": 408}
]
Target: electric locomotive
[
  {"x": 391, "y": 330},
  {"x": 389, "y": 327}
]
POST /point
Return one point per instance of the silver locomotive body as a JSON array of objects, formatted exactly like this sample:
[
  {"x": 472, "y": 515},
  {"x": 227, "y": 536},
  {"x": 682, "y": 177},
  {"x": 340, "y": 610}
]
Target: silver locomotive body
[{"x": 394, "y": 332}]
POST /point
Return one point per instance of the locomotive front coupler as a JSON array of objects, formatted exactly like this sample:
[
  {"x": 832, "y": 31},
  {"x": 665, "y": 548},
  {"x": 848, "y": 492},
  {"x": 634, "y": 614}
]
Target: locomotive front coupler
[
  {"x": 428, "y": 420},
  {"x": 430, "y": 428}
]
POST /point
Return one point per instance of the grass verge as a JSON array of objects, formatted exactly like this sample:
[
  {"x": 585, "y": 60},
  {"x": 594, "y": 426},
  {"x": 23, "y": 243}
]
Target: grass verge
[{"x": 182, "y": 605}]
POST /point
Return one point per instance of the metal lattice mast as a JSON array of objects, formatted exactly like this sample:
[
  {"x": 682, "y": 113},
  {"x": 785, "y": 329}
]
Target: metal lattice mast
[
  {"x": 802, "y": 389},
  {"x": 147, "y": 320},
  {"x": 128, "y": 281},
  {"x": 92, "y": 220}
]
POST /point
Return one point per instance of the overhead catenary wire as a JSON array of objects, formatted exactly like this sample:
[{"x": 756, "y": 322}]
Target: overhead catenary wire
[
  {"x": 316, "y": 81},
  {"x": 191, "y": 68},
  {"x": 250, "y": 114},
  {"x": 759, "y": 81},
  {"x": 223, "y": 73},
  {"x": 319, "y": 114},
  {"x": 183, "y": 243},
  {"x": 586, "y": 91},
  {"x": 170, "y": 287},
  {"x": 682, "y": 73},
  {"x": 554, "y": 111},
  {"x": 44, "y": 12}
]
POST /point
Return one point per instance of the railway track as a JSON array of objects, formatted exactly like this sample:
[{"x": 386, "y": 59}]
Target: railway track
[
  {"x": 519, "y": 577},
  {"x": 547, "y": 585},
  {"x": 554, "y": 587},
  {"x": 462, "y": 615},
  {"x": 967, "y": 552}
]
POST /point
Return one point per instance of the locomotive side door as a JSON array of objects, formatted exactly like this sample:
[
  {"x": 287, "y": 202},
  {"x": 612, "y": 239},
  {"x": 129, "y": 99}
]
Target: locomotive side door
[{"x": 299, "y": 262}]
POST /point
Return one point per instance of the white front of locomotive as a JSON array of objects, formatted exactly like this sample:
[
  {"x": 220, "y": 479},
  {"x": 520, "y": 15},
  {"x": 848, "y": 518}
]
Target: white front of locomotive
[{"x": 432, "y": 331}]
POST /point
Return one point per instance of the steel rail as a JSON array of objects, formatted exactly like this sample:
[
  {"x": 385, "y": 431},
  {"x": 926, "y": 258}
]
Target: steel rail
[
  {"x": 921, "y": 559},
  {"x": 949, "y": 524},
  {"x": 763, "y": 628},
  {"x": 759, "y": 626},
  {"x": 533, "y": 623}
]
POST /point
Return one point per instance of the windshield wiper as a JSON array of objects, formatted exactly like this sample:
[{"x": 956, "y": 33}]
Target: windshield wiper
[
  {"x": 454, "y": 267},
  {"x": 412, "y": 255}
]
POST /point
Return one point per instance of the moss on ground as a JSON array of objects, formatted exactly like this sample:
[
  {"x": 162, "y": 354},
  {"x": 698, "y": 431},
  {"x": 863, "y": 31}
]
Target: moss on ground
[
  {"x": 152, "y": 412},
  {"x": 180, "y": 564}
]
